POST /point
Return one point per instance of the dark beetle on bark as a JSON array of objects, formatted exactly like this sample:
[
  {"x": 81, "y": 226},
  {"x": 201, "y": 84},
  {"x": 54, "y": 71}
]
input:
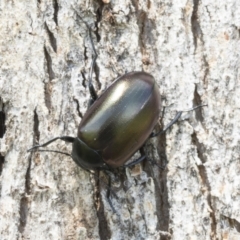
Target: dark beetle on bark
[{"x": 118, "y": 123}]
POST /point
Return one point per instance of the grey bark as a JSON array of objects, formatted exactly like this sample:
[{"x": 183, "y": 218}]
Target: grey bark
[{"x": 191, "y": 48}]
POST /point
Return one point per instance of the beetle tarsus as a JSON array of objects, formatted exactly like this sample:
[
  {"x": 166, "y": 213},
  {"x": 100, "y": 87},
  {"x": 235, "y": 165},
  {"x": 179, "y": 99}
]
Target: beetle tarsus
[{"x": 194, "y": 108}]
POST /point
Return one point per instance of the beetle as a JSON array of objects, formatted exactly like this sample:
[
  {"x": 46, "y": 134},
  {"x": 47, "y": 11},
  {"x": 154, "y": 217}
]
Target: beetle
[{"x": 117, "y": 123}]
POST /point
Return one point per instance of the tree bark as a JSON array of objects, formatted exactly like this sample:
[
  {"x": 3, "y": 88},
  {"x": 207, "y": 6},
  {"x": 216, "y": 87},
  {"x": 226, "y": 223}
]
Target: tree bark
[{"x": 192, "y": 50}]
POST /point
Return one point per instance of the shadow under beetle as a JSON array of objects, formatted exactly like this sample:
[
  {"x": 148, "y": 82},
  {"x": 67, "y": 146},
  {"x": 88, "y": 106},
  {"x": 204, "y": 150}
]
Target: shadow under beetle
[{"x": 117, "y": 123}]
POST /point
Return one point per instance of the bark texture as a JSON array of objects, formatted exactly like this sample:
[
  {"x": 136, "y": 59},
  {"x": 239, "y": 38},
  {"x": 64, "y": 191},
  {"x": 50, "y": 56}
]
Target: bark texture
[{"x": 192, "y": 49}]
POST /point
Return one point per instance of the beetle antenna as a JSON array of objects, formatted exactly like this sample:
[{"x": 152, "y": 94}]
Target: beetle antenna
[
  {"x": 178, "y": 115},
  {"x": 71, "y": 139},
  {"x": 64, "y": 138},
  {"x": 108, "y": 186},
  {"x": 55, "y": 151}
]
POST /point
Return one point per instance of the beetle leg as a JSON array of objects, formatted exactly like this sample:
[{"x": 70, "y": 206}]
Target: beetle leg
[
  {"x": 64, "y": 138},
  {"x": 109, "y": 193},
  {"x": 90, "y": 85},
  {"x": 138, "y": 160},
  {"x": 90, "y": 102},
  {"x": 135, "y": 162},
  {"x": 155, "y": 163},
  {"x": 55, "y": 151},
  {"x": 178, "y": 115},
  {"x": 108, "y": 186}
]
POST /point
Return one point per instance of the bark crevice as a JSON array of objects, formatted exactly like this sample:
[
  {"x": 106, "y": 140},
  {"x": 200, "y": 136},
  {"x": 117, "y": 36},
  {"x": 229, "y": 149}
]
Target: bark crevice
[
  {"x": 84, "y": 79},
  {"x": 23, "y": 208},
  {"x": 196, "y": 30},
  {"x": 205, "y": 182},
  {"x": 78, "y": 107},
  {"x": 233, "y": 223},
  {"x": 161, "y": 185},
  {"x": 104, "y": 231},
  {"x": 2, "y": 131},
  {"x": 98, "y": 37},
  {"x": 55, "y": 14},
  {"x": 196, "y": 102},
  {"x": 198, "y": 34},
  {"x": 53, "y": 42},
  {"x": 51, "y": 75}
]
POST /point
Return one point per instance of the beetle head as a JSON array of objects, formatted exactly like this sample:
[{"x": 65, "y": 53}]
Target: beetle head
[{"x": 86, "y": 157}]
